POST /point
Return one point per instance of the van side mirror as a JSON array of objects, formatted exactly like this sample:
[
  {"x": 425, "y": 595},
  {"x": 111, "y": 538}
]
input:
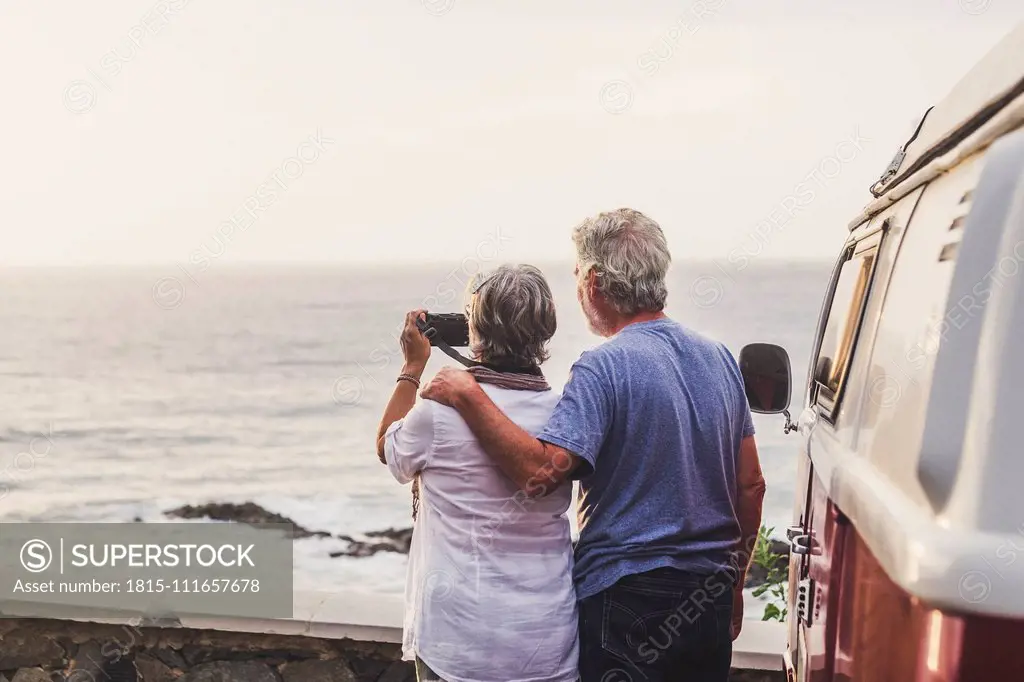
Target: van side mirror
[{"x": 767, "y": 378}]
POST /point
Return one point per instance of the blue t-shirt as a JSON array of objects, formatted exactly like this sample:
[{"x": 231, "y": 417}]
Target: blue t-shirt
[{"x": 656, "y": 413}]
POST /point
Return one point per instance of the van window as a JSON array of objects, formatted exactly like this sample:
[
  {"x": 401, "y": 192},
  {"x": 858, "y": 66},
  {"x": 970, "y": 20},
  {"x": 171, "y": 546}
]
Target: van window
[{"x": 840, "y": 334}]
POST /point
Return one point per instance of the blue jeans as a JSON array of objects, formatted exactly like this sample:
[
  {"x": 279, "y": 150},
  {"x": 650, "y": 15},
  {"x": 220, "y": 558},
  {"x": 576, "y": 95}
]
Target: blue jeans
[{"x": 658, "y": 626}]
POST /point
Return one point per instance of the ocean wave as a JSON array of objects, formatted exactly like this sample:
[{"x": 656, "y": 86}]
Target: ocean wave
[
  {"x": 23, "y": 437},
  {"x": 327, "y": 364}
]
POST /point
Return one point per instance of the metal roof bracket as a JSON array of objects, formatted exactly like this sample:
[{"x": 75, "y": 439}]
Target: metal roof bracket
[{"x": 894, "y": 166}]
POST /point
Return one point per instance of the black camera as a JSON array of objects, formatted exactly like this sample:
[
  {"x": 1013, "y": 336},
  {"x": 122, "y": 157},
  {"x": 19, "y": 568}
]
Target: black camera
[{"x": 451, "y": 328}]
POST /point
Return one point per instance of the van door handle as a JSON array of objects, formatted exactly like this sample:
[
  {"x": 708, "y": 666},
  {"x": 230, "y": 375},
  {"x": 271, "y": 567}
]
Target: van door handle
[
  {"x": 804, "y": 544},
  {"x": 793, "y": 531}
]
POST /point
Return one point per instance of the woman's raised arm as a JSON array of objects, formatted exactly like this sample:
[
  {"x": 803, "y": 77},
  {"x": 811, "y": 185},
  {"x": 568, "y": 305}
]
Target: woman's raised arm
[{"x": 416, "y": 350}]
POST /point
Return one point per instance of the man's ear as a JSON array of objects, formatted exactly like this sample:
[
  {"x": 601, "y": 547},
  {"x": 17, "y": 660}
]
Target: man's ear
[{"x": 591, "y": 283}]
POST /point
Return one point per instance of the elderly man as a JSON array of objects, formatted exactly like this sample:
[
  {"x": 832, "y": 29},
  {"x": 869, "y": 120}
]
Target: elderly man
[{"x": 655, "y": 424}]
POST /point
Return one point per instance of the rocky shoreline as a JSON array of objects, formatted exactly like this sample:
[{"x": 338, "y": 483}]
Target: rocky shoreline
[
  {"x": 395, "y": 540},
  {"x": 390, "y": 540}
]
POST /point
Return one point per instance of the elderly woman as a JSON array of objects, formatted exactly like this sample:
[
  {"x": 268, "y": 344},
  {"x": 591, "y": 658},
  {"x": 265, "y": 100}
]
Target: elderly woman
[{"x": 489, "y": 594}]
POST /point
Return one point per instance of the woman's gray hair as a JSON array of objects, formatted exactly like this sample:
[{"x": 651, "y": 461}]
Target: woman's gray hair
[
  {"x": 630, "y": 257},
  {"x": 513, "y": 317}
]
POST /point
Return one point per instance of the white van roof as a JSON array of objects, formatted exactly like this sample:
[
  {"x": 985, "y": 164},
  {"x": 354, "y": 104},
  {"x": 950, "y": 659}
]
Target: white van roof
[
  {"x": 987, "y": 102},
  {"x": 997, "y": 74}
]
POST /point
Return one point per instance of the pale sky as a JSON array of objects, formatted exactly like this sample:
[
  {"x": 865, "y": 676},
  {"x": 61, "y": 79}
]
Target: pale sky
[{"x": 132, "y": 130}]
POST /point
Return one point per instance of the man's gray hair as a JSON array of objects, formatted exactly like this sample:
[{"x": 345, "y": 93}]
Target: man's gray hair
[
  {"x": 630, "y": 257},
  {"x": 513, "y": 317}
]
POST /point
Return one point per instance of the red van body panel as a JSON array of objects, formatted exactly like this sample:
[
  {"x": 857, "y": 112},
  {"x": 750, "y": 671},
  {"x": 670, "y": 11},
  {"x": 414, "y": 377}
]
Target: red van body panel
[{"x": 865, "y": 628}]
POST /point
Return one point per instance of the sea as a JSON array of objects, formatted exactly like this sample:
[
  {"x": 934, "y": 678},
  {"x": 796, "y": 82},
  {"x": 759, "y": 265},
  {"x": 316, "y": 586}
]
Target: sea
[{"x": 126, "y": 392}]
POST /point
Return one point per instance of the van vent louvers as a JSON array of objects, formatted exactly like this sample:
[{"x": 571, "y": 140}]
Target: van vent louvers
[
  {"x": 958, "y": 223},
  {"x": 949, "y": 251}
]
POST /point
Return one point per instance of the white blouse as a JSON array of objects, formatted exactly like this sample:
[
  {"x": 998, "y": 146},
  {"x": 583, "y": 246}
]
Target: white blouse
[{"x": 489, "y": 592}]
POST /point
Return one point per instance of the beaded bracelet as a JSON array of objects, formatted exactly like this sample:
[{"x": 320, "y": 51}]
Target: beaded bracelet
[{"x": 410, "y": 378}]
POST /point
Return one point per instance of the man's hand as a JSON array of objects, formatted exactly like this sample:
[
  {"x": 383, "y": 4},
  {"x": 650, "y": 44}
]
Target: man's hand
[
  {"x": 449, "y": 385},
  {"x": 737, "y": 612},
  {"x": 536, "y": 467}
]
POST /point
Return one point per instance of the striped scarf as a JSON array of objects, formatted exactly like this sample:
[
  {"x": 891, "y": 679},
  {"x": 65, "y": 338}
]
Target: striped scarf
[
  {"x": 524, "y": 380},
  {"x": 529, "y": 379}
]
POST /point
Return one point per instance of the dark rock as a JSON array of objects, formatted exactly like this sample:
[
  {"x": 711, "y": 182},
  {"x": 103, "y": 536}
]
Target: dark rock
[
  {"x": 69, "y": 645},
  {"x": 399, "y": 671},
  {"x": 248, "y": 513},
  {"x": 395, "y": 540},
  {"x": 235, "y": 671},
  {"x": 169, "y": 657},
  {"x": 401, "y": 536},
  {"x": 196, "y": 654},
  {"x": 368, "y": 668},
  {"x": 32, "y": 675},
  {"x": 736, "y": 675},
  {"x": 318, "y": 671},
  {"x": 359, "y": 550},
  {"x": 24, "y": 649},
  {"x": 89, "y": 660},
  {"x": 757, "y": 575},
  {"x": 152, "y": 670},
  {"x": 107, "y": 662},
  {"x": 380, "y": 651},
  {"x": 390, "y": 540},
  {"x": 82, "y": 676},
  {"x": 120, "y": 670}
]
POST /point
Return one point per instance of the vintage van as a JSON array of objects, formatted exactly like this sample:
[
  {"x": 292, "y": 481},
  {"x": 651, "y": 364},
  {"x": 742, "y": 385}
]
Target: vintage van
[{"x": 907, "y": 541}]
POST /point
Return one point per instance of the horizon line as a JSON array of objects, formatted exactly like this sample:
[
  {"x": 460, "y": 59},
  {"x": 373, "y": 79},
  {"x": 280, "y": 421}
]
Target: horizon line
[{"x": 373, "y": 264}]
